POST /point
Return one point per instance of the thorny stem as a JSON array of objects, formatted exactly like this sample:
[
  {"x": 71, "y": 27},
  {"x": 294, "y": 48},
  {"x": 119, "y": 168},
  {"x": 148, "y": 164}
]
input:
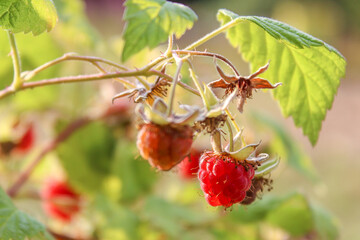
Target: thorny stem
[
  {"x": 198, "y": 86},
  {"x": 128, "y": 73},
  {"x": 208, "y": 54},
  {"x": 211, "y": 35},
  {"x": 17, "y": 80},
  {"x": 170, "y": 46},
  {"x": 70, "y": 56},
  {"x": 81, "y": 78},
  {"x": 199, "y": 42},
  {"x": 123, "y": 81},
  {"x": 231, "y": 136},
  {"x": 173, "y": 88},
  {"x": 232, "y": 119}
]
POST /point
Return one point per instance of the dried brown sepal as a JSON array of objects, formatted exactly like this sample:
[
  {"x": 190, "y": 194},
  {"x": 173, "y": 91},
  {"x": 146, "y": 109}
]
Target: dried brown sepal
[
  {"x": 140, "y": 93},
  {"x": 209, "y": 125},
  {"x": 257, "y": 187},
  {"x": 243, "y": 85},
  {"x": 159, "y": 89}
]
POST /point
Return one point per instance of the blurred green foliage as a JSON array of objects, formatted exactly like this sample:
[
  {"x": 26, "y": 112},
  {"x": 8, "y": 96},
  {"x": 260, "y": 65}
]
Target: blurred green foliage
[{"x": 125, "y": 197}]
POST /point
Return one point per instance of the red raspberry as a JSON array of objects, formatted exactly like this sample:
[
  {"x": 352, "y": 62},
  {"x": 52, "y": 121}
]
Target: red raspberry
[
  {"x": 60, "y": 200},
  {"x": 164, "y": 146},
  {"x": 224, "y": 181},
  {"x": 189, "y": 167},
  {"x": 26, "y": 141}
]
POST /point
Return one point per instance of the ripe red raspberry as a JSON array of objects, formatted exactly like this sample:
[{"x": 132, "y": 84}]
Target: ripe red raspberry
[
  {"x": 223, "y": 180},
  {"x": 189, "y": 167},
  {"x": 60, "y": 200},
  {"x": 164, "y": 146}
]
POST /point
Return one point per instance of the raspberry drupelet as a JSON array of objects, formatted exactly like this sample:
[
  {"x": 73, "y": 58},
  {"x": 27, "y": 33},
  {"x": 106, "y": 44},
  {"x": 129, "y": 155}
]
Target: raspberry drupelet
[{"x": 223, "y": 180}]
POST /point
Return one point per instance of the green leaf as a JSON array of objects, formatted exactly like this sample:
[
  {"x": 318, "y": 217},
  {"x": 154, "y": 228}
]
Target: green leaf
[
  {"x": 150, "y": 22},
  {"x": 326, "y": 225},
  {"x": 87, "y": 154},
  {"x": 257, "y": 211},
  {"x": 115, "y": 221},
  {"x": 292, "y": 212},
  {"x": 294, "y": 215},
  {"x": 34, "y": 16},
  {"x": 73, "y": 21},
  {"x": 136, "y": 175},
  {"x": 171, "y": 217},
  {"x": 287, "y": 148},
  {"x": 16, "y": 225},
  {"x": 309, "y": 69}
]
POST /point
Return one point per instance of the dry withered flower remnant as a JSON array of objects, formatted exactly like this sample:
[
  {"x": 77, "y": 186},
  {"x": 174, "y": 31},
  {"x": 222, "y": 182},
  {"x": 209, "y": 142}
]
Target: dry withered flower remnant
[
  {"x": 141, "y": 93},
  {"x": 243, "y": 85},
  {"x": 257, "y": 187}
]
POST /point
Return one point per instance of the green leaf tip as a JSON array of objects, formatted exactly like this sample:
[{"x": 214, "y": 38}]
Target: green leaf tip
[
  {"x": 16, "y": 225},
  {"x": 309, "y": 69},
  {"x": 151, "y": 22},
  {"x": 26, "y": 16}
]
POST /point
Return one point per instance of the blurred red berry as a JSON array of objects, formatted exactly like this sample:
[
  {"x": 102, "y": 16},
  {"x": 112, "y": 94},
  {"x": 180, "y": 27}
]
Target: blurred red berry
[
  {"x": 164, "y": 146},
  {"x": 223, "y": 180},
  {"x": 189, "y": 167},
  {"x": 60, "y": 200},
  {"x": 26, "y": 141}
]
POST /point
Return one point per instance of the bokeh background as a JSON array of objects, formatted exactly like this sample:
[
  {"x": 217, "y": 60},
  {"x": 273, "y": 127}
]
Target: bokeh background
[
  {"x": 94, "y": 27},
  {"x": 335, "y": 156}
]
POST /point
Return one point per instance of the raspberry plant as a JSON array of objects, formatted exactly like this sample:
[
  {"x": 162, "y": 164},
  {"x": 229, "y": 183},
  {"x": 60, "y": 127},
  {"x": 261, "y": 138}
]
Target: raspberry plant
[{"x": 302, "y": 71}]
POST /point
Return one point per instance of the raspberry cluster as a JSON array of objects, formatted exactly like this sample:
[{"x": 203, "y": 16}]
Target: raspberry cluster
[{"x": 223, "y": 180}]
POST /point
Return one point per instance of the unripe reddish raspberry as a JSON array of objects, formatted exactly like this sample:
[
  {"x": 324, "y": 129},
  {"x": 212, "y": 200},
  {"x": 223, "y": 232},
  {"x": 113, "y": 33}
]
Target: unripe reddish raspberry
[
  {"x": 223, "y": 180},
  {"x": 164, "y": 146},
  {"x": 189, "y": 167},
  {"x": 60, "y": 200}
]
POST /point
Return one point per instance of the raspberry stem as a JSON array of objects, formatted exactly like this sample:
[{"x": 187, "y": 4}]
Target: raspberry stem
[
  {"x": 179, "y": 62},
  {"x": 231, "y": 140},
  {"x": 17, "y": 80},
  {"x": 216, "y": 141},
  {"x": 232, "y": 119}
]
